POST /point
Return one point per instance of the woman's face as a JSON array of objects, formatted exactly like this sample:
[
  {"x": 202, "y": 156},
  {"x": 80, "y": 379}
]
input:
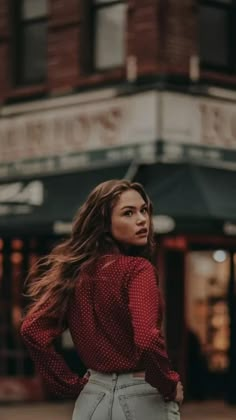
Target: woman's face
[{"x": 130, "y": 220}]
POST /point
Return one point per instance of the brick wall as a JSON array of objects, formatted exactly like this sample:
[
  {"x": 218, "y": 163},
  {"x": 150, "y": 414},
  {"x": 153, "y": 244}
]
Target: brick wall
[
  {"x": 63, "y": 44},
  {"x": 161, "y": 34},
  {"x": 143, "y": 36},
  {"x": 180, "y": 40}
]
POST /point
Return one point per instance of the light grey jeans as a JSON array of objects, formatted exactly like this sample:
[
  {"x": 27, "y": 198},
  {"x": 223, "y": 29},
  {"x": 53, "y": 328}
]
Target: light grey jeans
[{"x": 122, "y": 397}]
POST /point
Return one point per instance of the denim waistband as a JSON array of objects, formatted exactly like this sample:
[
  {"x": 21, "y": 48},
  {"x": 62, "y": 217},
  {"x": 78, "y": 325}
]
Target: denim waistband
[
  {"x": 120, "y": 380},
  {"x": 114, "y": 376}
]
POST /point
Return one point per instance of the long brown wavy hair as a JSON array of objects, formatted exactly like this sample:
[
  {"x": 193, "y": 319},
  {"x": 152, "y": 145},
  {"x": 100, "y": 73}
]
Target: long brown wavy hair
[{"x": 52, "y": 280}]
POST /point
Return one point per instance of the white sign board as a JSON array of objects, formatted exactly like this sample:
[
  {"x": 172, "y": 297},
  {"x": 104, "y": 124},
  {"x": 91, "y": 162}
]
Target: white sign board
[
  {"x": 64, "y": 136},
  {"x": 72, "y": 129},
  {"x": 198, "y": 120}
]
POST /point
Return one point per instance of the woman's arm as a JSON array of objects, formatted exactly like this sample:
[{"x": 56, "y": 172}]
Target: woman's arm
[
  {"x": 144, "y": 301},
  {"x": 38, "y": 332}
]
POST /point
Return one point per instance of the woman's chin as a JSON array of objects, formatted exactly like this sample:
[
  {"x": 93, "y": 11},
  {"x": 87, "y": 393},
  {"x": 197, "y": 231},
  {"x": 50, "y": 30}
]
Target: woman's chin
[{"x": 141, "y": 242}]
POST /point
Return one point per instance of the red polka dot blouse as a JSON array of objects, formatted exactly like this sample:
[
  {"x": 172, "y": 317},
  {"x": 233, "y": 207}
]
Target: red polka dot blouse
[{"x": 114, "y": 318}]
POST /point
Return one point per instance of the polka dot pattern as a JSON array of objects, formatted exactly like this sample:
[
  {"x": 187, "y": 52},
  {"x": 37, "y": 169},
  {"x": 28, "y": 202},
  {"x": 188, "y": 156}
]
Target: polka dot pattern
[{"x": 115, "y": 318}]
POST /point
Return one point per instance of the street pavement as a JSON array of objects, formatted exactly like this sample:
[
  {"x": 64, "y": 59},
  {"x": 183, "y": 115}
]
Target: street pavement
[{"x": 211, "y": 410}]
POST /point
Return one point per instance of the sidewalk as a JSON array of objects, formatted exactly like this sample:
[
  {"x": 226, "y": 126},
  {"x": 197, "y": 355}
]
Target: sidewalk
[
  {"x": 209, "y": 410},
  {"x": 213, "y": 410}
]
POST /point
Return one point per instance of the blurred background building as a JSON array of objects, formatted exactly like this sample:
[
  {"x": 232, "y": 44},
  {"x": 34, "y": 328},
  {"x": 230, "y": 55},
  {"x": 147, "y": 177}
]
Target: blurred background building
[{"x": 99, "y": 89}]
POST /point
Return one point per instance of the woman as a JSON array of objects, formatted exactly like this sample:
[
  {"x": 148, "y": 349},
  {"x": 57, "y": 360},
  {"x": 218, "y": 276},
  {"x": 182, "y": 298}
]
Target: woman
[{"x": 101, "y": 284}]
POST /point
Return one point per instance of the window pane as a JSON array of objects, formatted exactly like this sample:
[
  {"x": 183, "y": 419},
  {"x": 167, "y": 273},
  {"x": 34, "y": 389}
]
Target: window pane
[
  {"x": 35, "y": 52},
  {"x": 110, "y": 36},
  {"x": 34, "y": 9},
  {"x": 214, "y": 46},
  {"x": 29, "y": 369},
  {"x": 207, "y": 307}
]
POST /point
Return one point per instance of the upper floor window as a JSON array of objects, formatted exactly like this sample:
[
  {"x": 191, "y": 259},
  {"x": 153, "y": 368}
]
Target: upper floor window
[
  {"x": 109, "y": 33},
  {"x": 31, "y": 41},
  {"x": 217, "y": 38}
]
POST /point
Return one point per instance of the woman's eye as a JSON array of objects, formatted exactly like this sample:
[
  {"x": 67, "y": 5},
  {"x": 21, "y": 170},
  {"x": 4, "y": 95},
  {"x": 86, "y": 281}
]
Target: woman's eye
[
  {"x": 144, "y": 210},
  {"x": 128, "y": 213}
]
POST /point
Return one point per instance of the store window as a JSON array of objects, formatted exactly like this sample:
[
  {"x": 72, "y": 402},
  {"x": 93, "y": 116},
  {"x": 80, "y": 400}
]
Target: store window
[
  {"x": 109, "y": 33},
  {"x": 30, "y": 41},
  {"x": 14, "y": 360},
  {"x": 217, "y": 34},
  {"x": 208, "y": 274},
  {"x": 16, "y": 258}
]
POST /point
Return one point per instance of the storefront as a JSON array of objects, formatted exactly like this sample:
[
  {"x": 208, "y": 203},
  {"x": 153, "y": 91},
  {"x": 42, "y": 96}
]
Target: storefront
[
  {"x": 199, "y": 273},
  {"x": 195, "y": 220},
  {"x": 174, "y": 150}
]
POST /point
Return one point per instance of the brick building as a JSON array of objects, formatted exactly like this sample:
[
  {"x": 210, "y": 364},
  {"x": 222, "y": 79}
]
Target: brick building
[{"x": 97, "y": 89}]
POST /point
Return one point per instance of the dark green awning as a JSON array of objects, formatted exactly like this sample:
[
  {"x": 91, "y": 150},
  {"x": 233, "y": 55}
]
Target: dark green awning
[
  {"x": 191, "y": 193},
  {"x": 62, "y": 196},
  {"x": 198, "y": 198}
]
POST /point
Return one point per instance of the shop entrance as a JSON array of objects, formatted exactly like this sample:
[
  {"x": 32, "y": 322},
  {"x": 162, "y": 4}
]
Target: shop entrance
[
  {"x": 16, "y": 257},
  {"x": 208, "y": 276}
]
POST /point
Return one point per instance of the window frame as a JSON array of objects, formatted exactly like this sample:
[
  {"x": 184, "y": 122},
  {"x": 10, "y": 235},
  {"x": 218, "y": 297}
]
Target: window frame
[
  {"x": 230, "y": 8},
  {"x": 104, "y": 4},
  {"x": 20, "y": 23}
]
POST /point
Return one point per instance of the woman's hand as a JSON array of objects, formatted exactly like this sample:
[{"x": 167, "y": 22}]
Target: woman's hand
[{"x": 179, "y": 393}]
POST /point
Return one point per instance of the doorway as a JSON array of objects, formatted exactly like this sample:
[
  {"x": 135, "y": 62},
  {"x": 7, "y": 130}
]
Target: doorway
[{"x": 208, "y": 322}]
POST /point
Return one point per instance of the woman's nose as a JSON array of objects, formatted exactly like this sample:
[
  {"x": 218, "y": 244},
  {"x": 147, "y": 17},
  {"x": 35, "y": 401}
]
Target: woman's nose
[{"x": 141, "y": 218}]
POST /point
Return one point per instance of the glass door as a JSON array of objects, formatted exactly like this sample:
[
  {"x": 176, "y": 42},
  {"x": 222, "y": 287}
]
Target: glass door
[{"x": 208, "y": 322}]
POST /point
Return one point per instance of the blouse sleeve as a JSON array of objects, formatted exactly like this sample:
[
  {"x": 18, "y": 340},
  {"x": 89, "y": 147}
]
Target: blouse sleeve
[
  {"x": 38, "y": 332},
  {"x": 145, "y": 309}
]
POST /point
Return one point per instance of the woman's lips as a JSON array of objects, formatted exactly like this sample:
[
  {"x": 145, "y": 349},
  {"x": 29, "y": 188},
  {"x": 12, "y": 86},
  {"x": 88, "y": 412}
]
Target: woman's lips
[{"x": 143, "y": 231}]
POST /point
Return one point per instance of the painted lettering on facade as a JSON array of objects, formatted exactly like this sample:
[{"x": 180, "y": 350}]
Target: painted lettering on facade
[
  {"x": 30, "y": 138},
  {"x": 218, "y": 125}
]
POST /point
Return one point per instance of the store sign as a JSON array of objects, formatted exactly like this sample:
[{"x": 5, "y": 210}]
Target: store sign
[
  {"x": 229, "y": 228},
  {"x": 20, "y": 198},
  {"x": 174, "y": 152},
  {"x": 197, "y": 120},
  {"x": 76, "y": 128},
  {"x": 77, "y": 161},
  {"x": 144, "y": 126},
  {"x": 163, "y": 223}
]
